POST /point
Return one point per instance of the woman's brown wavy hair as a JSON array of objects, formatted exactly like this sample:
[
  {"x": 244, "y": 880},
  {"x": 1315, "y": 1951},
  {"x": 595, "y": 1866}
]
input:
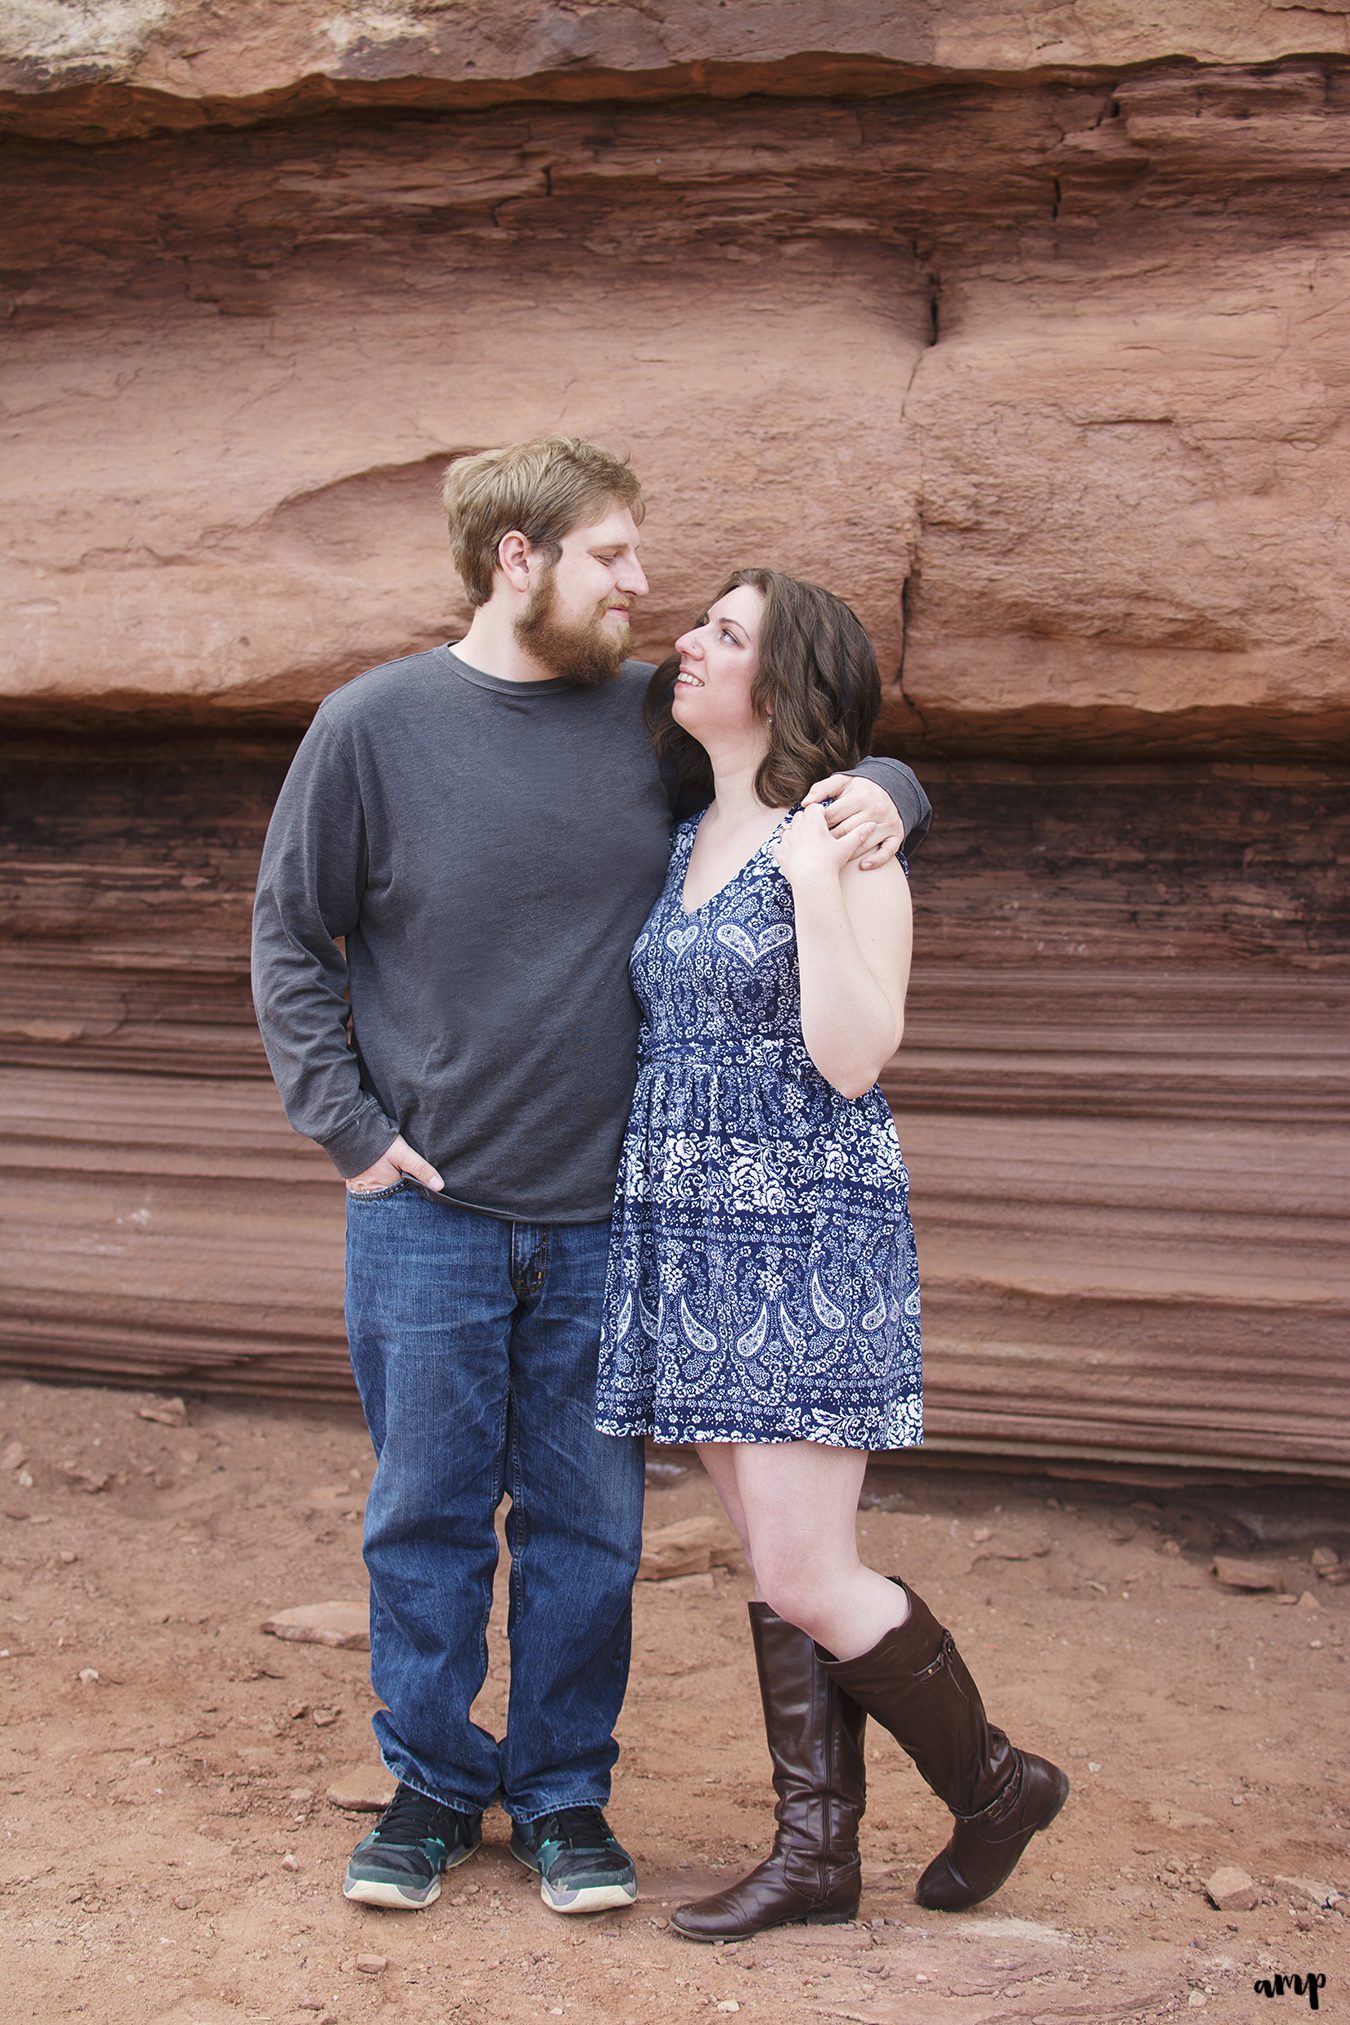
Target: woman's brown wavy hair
[{"x": 817, "y": 686}]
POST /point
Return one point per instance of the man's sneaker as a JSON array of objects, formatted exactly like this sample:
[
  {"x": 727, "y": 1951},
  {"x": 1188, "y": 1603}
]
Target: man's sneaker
[
  {"x": 400, "y": 1862},
  {"x": 581, "y": 1867}
]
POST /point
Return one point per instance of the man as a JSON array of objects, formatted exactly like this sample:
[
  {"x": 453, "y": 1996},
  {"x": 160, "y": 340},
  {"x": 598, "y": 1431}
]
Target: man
[{"x": 462, "y": 854}]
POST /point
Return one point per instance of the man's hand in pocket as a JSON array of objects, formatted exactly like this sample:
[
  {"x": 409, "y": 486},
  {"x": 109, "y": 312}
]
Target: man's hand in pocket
[{"x": 391, "y": 1167}]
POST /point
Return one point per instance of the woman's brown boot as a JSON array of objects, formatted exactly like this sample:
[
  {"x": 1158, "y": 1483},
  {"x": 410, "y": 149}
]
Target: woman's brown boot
[
  {"x": 815, "y": 1738},
  {"x": 915, "y": 1683}
]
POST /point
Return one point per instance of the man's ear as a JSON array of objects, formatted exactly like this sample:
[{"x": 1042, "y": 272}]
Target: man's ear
[{"x": 514, "y": 560}]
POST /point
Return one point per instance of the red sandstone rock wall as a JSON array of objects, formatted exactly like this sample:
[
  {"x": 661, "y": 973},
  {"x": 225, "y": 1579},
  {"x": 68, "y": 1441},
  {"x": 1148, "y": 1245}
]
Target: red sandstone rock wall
[
  {"x": 1025, "y": 326},
  {"x": 1049, "y": 378}
]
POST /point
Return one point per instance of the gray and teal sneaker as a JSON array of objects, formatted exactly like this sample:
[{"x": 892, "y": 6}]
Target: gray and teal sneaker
[
  {"x": 581, "y": 1867},
  {"x": 400, "y": 1862}
]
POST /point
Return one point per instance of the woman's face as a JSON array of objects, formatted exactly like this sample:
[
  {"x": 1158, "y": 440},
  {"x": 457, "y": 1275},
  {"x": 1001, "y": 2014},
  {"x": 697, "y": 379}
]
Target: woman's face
[{"x": 719, "y": 659}]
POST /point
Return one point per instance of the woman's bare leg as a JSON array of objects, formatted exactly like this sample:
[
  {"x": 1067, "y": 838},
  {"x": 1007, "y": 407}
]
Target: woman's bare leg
[
  {"x": 719, "y": 1460},
  {"x": 799, "y": 1505}
]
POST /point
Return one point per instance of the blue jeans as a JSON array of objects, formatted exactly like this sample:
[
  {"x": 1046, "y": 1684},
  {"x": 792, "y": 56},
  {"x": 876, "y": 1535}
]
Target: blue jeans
[{"x": 474, "y": 1345}]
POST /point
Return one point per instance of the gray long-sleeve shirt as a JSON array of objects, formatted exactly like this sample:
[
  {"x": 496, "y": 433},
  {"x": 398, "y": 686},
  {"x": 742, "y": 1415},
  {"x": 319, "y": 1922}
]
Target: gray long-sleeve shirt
[{"x": 458, "y": 867}]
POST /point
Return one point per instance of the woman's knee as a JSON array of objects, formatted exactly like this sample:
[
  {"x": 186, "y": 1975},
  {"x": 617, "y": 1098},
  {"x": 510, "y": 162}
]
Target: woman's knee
[{"x": 800, "y": 1595}]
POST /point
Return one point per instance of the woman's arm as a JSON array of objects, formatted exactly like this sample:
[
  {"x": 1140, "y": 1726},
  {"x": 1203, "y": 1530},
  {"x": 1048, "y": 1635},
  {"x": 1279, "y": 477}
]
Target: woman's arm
[{"x": 854, "y": 938}]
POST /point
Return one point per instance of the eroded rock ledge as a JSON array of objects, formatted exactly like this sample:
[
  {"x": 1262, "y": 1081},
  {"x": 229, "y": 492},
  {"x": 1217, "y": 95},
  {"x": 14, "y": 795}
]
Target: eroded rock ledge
[
  {"x": 139, "y": 66},
  {"x": 1049, "y": 381}
]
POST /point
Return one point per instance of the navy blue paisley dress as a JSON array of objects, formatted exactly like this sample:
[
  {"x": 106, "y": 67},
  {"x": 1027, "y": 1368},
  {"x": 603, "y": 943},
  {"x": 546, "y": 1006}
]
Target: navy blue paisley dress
[{"x": 762, "y": 1281}]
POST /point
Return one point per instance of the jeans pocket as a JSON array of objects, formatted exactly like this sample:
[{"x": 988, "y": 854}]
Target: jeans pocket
[{"x": 374, "y": 1194}]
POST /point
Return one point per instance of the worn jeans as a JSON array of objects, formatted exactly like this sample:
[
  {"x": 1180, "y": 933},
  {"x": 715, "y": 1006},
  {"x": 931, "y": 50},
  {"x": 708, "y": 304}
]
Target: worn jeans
[{"x": 474, "y": 1345}]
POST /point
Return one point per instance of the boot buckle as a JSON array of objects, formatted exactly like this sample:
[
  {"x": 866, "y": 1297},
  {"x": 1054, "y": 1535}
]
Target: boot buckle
[
  {"x": 940, "y": 1660},
  {"x": 1006, "y": 1797}
]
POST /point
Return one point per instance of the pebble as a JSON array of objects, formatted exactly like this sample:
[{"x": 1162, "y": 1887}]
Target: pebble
[
  {"x": 660, "y": 1474},
  {"x": 364, "y": 1789},
  {"x": 728, "y": 2004},
  {"x": 1308, "y": 1891},
  {"x": 89, "y": 1481},
  {"x": 372, "y": 1965},
  {"x": 323, "y": 1718},
  {"x": 1030, "y": 1548},
  {"x": 1253, "y": 1576},
  {"x": 68, "y": 1557},
  {"x": 340, "y": 1624},
  {"x": 290, "y": 1862},
  {"x": 168, "y": 1412},
  {"x": 1307, "y": 1601},
  {"x": 13, "y": 1456},
  {"x": 1231, "y": 1889},
  {"x": 297, "y": 1710},
  {"x": 1322, "y": 1557},
  {"x": 185, "y": 1902},
  {"x": 688, "y": 1547},
  {"x": 88, "y": 1674}
]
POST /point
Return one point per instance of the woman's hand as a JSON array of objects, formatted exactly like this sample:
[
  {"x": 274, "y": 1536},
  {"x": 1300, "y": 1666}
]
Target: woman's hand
[
  {"x": 861, "y": 810},
  {"x": 808, "y": 852}
]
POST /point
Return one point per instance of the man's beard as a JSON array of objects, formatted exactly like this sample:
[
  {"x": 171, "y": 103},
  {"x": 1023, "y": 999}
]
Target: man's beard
[{"x": 582, "y": 653}]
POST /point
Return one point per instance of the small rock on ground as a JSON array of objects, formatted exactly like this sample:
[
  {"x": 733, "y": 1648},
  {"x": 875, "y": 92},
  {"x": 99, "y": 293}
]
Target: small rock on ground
[
  {"x": 341, "y": 1624},
  {"x": 362, "y": 1789},
  {"x": 688, "y": 1547},
  {"x": 1233, "y": 1573},
  {"x": 1231, "y": 1890},
  {"x": 168, "y": 1412},
  {"x": 1309, "y": 1891}
]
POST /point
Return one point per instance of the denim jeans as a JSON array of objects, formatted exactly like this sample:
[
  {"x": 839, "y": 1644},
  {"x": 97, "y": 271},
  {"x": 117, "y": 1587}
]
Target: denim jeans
[{"x": 474, "y": 1345}]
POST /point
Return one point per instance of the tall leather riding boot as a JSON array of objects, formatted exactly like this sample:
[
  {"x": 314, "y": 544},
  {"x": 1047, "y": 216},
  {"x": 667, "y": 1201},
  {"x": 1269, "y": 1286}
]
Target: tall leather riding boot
[
  {"x": 815, "y": 1738},
  {"x": 915, "y": 1683}
]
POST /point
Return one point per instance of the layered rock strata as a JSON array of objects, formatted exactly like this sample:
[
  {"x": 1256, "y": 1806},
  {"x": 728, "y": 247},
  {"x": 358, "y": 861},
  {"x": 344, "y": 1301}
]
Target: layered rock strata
[
  {"x": 1124, "y": 1096},
  {"x": 1024, "y": 328}
]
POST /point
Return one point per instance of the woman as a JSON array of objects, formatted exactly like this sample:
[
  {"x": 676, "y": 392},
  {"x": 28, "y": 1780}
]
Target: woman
[{"x": 763, "y": 1296}]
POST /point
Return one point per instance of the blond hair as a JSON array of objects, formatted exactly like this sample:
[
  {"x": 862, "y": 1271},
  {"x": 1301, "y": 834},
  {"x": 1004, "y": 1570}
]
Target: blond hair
[{"x": 541, "y": 489}]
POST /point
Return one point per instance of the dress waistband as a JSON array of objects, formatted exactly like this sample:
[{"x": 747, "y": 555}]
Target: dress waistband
[{"x": 773, "y": 1051}]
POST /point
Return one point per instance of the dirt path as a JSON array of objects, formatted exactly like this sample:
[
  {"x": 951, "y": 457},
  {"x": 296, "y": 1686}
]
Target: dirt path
[{"x": 170, "y": 1856}]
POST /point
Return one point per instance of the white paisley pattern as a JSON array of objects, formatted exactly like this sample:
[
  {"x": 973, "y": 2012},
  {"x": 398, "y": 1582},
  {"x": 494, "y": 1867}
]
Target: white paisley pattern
[{"x": 762, "y": 1280}]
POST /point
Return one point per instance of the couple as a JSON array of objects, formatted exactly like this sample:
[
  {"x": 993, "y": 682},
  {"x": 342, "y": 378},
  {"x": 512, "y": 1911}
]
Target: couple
[{"x": 465, "y": 851}]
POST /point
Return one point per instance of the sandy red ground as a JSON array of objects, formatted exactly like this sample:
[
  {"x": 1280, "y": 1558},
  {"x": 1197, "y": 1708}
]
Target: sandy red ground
[{"x": 170, "y": 1856}]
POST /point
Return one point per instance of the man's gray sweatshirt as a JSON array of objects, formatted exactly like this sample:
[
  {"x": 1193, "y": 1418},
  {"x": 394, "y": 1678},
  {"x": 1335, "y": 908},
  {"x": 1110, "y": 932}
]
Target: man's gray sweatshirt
[{"x": 455, "y": 872}]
